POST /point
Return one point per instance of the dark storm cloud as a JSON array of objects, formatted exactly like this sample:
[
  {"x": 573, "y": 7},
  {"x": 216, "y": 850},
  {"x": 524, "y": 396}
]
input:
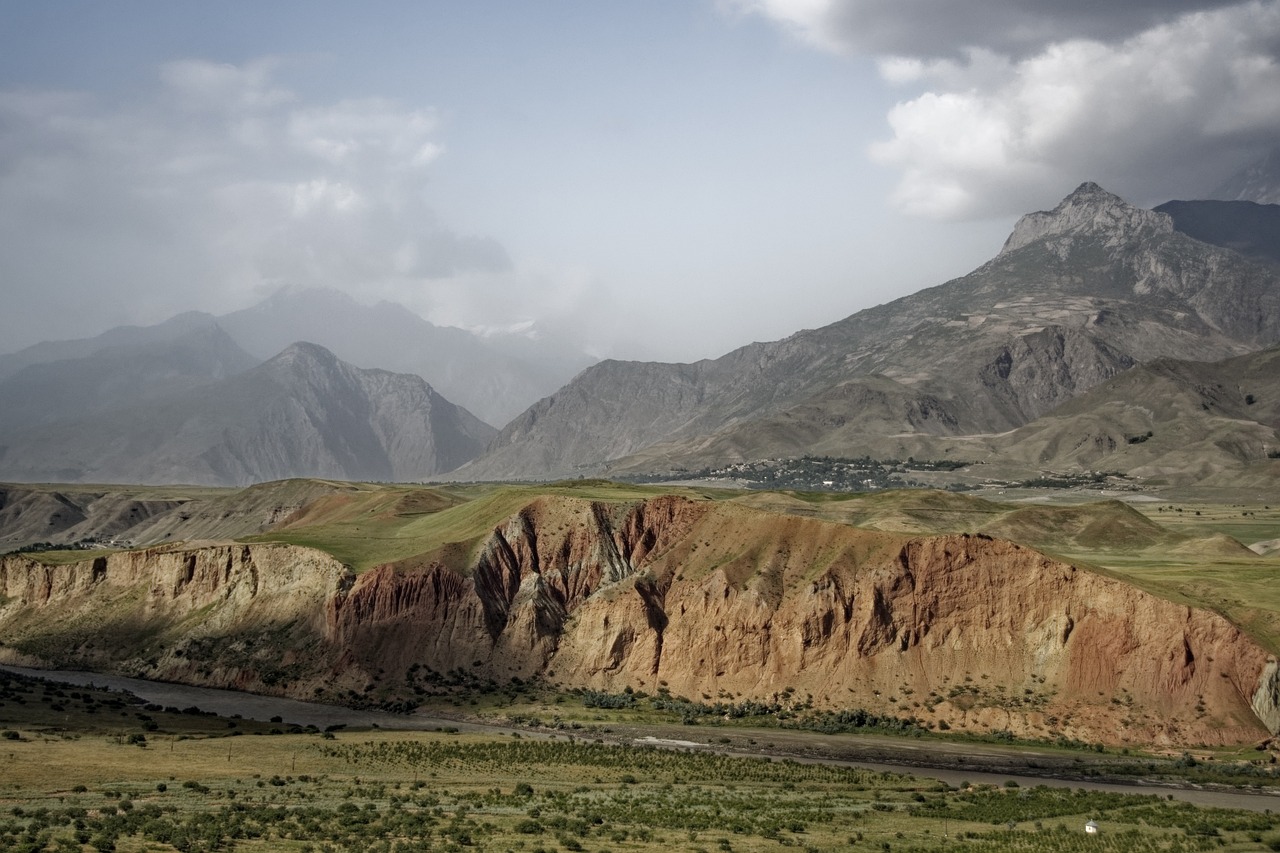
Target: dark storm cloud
[{"x": 944, "y": 28}]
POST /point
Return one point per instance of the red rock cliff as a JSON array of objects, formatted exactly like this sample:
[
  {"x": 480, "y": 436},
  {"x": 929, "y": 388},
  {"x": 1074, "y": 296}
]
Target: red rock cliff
[{"x": 706, "y": 600}]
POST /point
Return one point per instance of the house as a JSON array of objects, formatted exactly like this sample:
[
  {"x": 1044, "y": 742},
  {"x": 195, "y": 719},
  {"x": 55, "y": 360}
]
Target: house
[{"x": 1091, "y": 827}]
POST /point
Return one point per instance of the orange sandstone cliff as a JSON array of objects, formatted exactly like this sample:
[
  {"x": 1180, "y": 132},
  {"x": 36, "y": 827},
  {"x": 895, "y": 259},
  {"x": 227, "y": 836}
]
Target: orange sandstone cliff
[{"x": 702, "y": 599}]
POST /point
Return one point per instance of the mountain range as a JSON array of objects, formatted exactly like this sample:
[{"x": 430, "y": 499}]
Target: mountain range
[
  {"x": 495, "y": 376},
  {"x": 1096, "y": 328},
  {"x": 1078, "y": 295}
]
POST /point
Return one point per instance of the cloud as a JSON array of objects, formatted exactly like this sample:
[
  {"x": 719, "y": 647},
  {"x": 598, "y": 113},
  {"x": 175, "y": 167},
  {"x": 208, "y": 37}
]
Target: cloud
[
  {"x": 939, "y": 28},
  {"x": 1162, "y": 114},
  {"x": 198, "y": 84},
  {"x": 1018, "y": 102},
  {"x": 217, "y": 187}
]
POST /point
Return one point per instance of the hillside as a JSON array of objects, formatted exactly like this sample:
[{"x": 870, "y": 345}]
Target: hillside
[
  {"x": 1077, "y": 295},
  {"x": 1170, "y": 422}
]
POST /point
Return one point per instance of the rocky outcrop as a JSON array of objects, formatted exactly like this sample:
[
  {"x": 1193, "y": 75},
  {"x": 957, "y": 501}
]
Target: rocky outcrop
[
  {"x": 705, "y": 600},
  {"x": 1266, "y": 701},
  {"x": 217, "y": 614}
]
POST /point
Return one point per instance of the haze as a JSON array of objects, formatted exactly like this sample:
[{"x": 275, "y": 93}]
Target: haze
[{"x": 660, "y": 180}]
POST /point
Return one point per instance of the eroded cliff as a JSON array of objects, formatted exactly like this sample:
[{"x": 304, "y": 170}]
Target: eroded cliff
[{"x": 706, "y": 600}]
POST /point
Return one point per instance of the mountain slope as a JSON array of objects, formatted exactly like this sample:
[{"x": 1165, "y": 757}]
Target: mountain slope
[
  {"x": 1259, "y": 181},
  {"x": 303, "y": 413},
  {"x": 174, "y": 330},
  {"x": 1077, "y": 295}
]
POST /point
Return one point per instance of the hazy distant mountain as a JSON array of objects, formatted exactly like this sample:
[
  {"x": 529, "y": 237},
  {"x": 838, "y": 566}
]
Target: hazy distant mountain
[
  {"x": 1077, "y": 295},
  {"x": 1259, "y": 182},
  {"x": 119, "y": 369},
  {"x": 1245, "y": 226},
  {"x": 496, "y": 378},
  {"x": 302, "y": 413},
  {"x": 174, "y": 330}
]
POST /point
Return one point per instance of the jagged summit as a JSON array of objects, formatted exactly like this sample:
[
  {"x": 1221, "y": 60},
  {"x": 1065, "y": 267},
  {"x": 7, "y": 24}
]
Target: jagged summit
[
  {"x": 1089, "y": 211},
  {"x": 304, "y": 352}
]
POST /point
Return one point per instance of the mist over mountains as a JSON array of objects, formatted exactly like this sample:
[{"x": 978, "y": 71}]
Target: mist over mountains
[
  {"x": 1010, "y": 363},
  {"x": 496, "y": 377}
]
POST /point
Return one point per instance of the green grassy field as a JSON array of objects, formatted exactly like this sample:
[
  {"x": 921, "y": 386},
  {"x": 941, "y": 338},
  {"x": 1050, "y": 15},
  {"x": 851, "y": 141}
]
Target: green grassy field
[{"x": 102, "y": 781}]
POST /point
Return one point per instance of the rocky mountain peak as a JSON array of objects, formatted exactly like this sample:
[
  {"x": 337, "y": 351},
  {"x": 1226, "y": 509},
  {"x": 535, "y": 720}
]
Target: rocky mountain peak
[
  {"x": 302, "y": 359},
  {"x": 1089, "y": 211},
  {"x": 304, "y": 352}
]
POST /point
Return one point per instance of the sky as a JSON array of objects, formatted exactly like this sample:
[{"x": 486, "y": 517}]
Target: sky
[{"x": 659, "y": 180}]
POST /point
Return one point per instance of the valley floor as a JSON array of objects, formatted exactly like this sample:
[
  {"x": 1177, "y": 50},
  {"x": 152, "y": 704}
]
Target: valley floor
[{"x": 954, "y": 761}]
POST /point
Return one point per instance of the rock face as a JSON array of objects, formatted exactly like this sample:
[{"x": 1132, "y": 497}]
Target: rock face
[
  {"x": 1078, "y": 295},
  {"x": 303, "y": 413},
  {"x": 699, "y": 598},
  {"x": 218, "y": 614}
]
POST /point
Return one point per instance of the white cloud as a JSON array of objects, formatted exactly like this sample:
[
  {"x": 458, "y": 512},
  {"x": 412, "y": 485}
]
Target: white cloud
[
  {"x": 1160, "y": 114},
  {"x": 199, "y": 84},
  {"x": 349, "y": 130},
  {"x": 1016, "y": 101}
]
